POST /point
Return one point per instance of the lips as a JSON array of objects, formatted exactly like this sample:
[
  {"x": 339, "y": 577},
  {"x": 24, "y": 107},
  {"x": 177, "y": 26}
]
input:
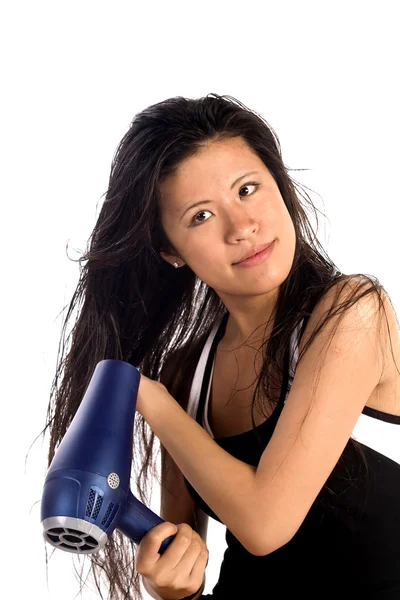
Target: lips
[{"x": 253, "y": 251}]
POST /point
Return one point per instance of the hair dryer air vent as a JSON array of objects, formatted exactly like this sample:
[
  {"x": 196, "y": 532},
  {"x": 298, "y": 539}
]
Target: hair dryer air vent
[{"x": 113, "y": 481}]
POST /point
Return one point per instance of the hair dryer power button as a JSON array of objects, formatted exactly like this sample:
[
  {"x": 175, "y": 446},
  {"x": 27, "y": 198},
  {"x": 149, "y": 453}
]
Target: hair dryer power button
[{"x": 113, "y": 480}]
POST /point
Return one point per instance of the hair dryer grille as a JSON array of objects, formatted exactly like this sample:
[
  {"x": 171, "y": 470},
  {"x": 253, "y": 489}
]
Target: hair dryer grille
[
  {"x": 71, "y": 540},
  {"x": 110, "y": 514},
  {"x": 97, "y": 507},
  {"x": 74, "y": 535},
  {"x": 90, "y": 502},
  {"x": 93, "y": 506}
]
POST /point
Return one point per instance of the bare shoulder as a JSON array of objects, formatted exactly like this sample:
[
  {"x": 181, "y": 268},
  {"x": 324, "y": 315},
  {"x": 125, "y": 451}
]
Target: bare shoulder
[
  {"x": 380, "y": 313},
  {"x": 386, "y": 396}
]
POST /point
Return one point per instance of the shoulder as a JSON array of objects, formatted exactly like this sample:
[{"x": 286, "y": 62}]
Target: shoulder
[{"x": 352, "y": 307}]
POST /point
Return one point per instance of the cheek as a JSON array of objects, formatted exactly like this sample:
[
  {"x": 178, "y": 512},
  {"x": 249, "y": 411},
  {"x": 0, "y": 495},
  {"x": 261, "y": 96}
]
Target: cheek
[
  {"x": 208, "y": 259},
  {"x": 205, "y": 252}
]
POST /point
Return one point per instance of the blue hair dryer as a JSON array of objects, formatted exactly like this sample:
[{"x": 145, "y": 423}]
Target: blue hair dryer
[{"x": 86, "y": 492}]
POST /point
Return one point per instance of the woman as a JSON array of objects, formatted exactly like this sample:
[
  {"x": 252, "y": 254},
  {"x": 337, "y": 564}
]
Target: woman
[{"x": 276, "y": 358}]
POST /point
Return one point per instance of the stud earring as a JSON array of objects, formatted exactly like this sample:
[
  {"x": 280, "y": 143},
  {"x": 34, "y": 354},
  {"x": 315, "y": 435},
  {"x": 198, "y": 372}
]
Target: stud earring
[{"x": 176, "y": 265}]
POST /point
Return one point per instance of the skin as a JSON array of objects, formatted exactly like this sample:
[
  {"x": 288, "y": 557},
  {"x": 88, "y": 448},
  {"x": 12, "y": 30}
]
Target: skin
[{"x": 227, "y": 227}]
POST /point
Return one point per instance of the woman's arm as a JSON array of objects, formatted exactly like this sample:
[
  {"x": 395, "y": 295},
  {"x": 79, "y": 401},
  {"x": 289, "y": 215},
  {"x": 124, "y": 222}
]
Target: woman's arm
[
  {"x": 225, "y": 483},
  {"x": 265, "y": 506}
]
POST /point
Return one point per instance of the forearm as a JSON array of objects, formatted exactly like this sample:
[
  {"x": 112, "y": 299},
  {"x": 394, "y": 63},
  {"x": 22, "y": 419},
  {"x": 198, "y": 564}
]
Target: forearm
[{"x": 226, "y": 484}]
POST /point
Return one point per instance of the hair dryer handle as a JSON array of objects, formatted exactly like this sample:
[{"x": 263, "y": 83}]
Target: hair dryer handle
[{"x": 137, "y": 520}]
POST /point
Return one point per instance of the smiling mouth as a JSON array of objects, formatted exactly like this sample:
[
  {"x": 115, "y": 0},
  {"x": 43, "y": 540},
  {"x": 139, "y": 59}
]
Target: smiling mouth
[
  {"x": 256, "y": 259},
  {"x": 262, "y": 249}
]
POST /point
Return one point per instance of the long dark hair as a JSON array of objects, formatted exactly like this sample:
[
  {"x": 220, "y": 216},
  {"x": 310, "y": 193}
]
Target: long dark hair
[{"x": 136, "y": 307}]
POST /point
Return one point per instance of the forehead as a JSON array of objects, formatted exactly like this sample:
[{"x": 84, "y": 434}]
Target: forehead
[{"x": 217, "y": 164}]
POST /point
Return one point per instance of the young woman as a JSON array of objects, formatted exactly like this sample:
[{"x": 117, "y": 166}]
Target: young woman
[{"x": 254, "y": 371}]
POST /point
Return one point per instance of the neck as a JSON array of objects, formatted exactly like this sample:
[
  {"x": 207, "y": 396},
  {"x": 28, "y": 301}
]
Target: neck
[{"x": 251, "y": 320}]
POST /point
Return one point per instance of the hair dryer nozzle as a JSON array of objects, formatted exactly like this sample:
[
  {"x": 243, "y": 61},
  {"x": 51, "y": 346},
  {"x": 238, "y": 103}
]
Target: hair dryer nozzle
[{"x": 73, "y": 535}]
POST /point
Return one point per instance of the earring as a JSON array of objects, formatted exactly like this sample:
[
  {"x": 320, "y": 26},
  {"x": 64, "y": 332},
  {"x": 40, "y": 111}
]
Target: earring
[{"x": 176, "y": 265}]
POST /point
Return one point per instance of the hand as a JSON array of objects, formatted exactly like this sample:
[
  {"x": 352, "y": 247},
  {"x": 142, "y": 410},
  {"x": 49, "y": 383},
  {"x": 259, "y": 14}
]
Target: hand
[
  {"x": 179, "y": 571},
  {"x": 150, "y": 394}
]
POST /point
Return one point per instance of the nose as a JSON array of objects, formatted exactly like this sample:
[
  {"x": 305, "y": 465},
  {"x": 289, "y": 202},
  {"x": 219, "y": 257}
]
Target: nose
[{"x": 241, "y": 222}]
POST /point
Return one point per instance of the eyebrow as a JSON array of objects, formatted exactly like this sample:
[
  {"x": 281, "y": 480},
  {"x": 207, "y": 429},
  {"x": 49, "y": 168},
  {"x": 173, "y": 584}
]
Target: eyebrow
[{"x": 208, "y": 201}]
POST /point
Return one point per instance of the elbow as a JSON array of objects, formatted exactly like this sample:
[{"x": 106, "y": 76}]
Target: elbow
[
  {"x": 261, "y": 547},
  {"x": 265, "y": 532},
  {"x": 265, "y": 539}
]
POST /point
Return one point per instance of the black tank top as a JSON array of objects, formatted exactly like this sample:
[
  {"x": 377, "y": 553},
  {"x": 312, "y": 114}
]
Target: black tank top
[{"x": 349, "y": 542}]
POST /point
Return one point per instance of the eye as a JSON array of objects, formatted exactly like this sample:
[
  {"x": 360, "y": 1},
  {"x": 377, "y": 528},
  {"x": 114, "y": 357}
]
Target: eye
[
  {"x": 257, "y": 185},
  {"x": 246, "y": 185},
  {"x": 194, "y": 222}
]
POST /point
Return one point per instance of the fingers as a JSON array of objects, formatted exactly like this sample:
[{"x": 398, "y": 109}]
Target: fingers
[
  {"x": 189, "y": 551},
  {"x": 147, "y": 554},
  {"x": 181, "y": 567}
]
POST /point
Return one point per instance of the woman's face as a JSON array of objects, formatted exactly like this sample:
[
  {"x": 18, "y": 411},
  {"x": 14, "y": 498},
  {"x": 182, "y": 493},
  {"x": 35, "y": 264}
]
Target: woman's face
[{"x": 229, "y": 221}]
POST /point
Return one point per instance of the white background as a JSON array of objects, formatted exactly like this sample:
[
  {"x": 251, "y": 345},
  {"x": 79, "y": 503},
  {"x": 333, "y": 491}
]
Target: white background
[{"x": 74, "y": 74}]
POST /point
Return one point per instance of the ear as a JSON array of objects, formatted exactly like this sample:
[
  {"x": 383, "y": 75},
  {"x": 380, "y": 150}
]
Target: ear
[{"x": 170, "y": 258}]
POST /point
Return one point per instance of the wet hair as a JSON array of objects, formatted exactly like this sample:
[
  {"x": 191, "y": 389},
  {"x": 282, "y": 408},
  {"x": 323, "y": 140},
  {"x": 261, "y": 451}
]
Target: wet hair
[{"x": 134, "y": 306}]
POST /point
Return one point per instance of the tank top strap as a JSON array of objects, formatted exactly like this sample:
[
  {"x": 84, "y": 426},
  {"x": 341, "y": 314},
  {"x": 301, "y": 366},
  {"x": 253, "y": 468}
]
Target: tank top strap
[{"x": 204, "y": 364}]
